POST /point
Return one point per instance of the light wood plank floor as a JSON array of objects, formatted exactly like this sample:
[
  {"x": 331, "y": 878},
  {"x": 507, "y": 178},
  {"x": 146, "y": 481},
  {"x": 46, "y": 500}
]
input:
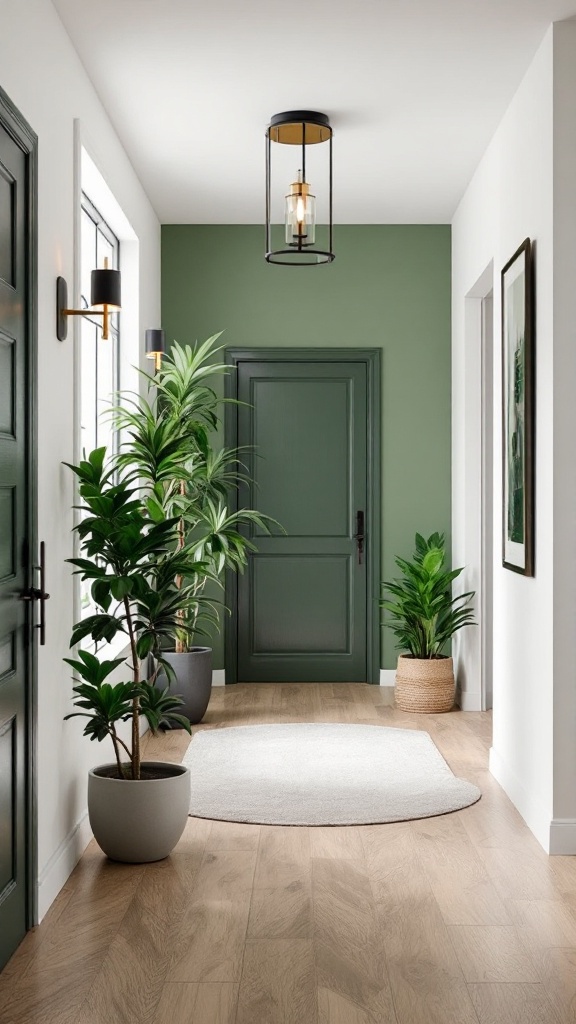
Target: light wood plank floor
[{"x": 460, "y": 919}]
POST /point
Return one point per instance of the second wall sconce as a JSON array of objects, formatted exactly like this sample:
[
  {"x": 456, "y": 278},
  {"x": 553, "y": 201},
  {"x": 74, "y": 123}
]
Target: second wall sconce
[
  {"x": 155, "y": 346},
  {"x": 104, "y": 298}
]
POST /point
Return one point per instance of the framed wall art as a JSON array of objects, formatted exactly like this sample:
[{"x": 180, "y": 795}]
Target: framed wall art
[{"x": 518, "y": 412}]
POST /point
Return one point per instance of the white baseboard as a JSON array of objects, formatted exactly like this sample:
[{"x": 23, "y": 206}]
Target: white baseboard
[
  {"x": 387, "y": 677},
  {"x": 534, "y": 814},
  {"x": 468, "y": 700},
  {"x": 61, "y": 864},
  {"x": 563, "y": 836}
]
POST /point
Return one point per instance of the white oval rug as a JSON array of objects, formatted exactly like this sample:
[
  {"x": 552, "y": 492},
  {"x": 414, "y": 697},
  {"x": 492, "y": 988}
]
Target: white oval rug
[{"x": 321, "y": 774}]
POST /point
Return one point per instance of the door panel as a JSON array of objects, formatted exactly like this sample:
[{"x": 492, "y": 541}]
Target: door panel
[
  {"x": 302, "y": 604},
  {"x": 318, "y": 622},
  {"x": 8, "y": 208},
  {"x": 8, "y": 828},
  {"x": 16, "y": 332},
  {"x": 7, "y": 381},
  {"x": 310, "y": 457}
]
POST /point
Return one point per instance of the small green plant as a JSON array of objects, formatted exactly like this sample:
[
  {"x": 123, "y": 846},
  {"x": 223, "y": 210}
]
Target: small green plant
[
  {"x": 422, "y": 613},
  {"x": 133, "y": 562}
]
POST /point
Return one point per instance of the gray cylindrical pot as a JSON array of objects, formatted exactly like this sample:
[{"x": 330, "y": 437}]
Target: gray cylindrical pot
[
  {"x": 139, "y": 821},
  {"x": 193, "y": 682}
]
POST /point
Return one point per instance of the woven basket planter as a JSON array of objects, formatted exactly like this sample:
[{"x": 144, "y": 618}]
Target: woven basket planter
[{"x": 425, "y": 685}]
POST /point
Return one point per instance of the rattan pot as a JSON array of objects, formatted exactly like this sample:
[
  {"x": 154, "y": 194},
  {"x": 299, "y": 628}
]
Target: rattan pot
[{"x": 425, "y": 685}]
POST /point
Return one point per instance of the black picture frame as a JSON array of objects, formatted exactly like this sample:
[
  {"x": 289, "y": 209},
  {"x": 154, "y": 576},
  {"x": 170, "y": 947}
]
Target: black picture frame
[{"x": 518, "y": 411}]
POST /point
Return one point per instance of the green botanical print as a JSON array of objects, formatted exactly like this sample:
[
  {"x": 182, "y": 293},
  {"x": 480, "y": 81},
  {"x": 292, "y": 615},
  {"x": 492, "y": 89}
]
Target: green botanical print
[{"x": 516, "y": 423}]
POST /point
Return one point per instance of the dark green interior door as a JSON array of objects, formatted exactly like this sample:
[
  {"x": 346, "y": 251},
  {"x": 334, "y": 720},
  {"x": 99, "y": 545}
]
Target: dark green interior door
[
  {"x": 15, "y": 519},
  {"x": 302, "y": 603}
]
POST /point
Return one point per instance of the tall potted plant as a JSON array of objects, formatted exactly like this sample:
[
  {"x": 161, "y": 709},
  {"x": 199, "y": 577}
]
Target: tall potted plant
[
  {"x": 187, "y": 478},
  {"x": 137, "y": 809},
  {"x": 424, "y": 616}
]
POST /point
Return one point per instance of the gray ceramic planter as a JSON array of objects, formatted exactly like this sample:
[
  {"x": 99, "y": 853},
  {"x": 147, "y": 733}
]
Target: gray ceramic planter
[
  {"x": 193, "y": 681},
  {"x": 139, "y": 821}
]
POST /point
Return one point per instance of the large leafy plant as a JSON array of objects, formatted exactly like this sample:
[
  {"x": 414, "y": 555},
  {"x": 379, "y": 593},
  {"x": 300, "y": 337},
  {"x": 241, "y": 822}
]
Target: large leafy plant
[
  {"x": 422, "y": 613},
  {"x": 187, "y": 479},
  {"x": 133, "y": 560}
]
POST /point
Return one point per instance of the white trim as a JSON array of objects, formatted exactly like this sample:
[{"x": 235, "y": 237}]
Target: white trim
[
  {"x": 88, "y": 178},
  {"x": 387, "y": 677},
  {"x": 486, "y": 603},
  {"x": 74, "y": 326},
  {"x": 563, "y": 836},
  {"x": 471, "y": 541},
  {"x": 468, "y": 700},
  {"x": 62, "y": 863},
  {"x": 533, "y": 813},
  {"x": 94, "y": 184}
]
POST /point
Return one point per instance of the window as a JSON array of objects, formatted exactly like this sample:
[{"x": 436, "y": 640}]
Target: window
[
  {"x": 100, "y": 377},
  {"x": 102, "y": 368},
  {"x": 100, "y": 360}
]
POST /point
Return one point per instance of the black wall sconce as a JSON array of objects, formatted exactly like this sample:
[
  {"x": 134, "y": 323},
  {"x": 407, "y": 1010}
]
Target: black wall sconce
[
  {"x": 155, "y": 346},
  {"x": 104, "y": 298},
  {"x": 299, "y": 241}
]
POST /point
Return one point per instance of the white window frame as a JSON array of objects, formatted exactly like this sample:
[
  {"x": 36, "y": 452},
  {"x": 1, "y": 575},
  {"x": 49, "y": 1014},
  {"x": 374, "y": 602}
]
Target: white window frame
[
  {"x": 100, "y": 381},
  {"x": 91, "y": 328},
  {"x": 88, "y": 179}
]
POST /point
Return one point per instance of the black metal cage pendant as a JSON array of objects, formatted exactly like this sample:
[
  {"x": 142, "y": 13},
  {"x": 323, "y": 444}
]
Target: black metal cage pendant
[{"x": 298, "y": 240}]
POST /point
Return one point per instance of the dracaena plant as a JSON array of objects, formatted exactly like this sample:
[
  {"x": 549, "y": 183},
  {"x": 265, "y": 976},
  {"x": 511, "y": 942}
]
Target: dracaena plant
[
  {"x": 132, "y": 560},
  {"x": 168, "y": 446},
  {"x": 422, "y": 613}
]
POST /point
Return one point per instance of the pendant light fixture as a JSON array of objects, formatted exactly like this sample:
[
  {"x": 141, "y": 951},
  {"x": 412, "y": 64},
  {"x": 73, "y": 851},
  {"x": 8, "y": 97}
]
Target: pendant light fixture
[{"x": 300, "y": 241}]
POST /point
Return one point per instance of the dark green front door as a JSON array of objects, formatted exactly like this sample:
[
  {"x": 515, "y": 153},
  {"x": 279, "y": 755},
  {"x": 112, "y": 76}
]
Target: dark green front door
[
  {"x": 304, "y": 603},
  {"x": 16, "y": 691}
]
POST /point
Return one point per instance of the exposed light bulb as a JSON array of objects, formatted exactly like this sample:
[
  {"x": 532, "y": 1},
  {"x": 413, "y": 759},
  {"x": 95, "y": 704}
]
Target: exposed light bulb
[{"x": 300, "y": 216}]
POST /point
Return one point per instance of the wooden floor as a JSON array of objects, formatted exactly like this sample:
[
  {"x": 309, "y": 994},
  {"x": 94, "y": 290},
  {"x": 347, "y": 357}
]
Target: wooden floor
[{"x": 460, "y": 919}]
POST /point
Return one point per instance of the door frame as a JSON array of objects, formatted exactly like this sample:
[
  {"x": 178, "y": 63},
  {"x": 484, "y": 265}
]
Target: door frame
[
  {"x": 473, "y": 513},
  {"x": 15, "y": 125},
  {"x": 487, "y": 500},
  {"x": 372, "y": 359}
]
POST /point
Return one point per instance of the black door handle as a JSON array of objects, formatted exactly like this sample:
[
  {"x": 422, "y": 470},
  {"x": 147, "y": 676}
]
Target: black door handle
[
  {"x": 39, "y": 593},
  {"x": 359, "y": 535}
]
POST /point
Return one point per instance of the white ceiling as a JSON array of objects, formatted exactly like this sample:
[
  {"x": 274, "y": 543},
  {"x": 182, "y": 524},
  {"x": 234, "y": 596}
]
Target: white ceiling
[{"x": 414, "y": 90}]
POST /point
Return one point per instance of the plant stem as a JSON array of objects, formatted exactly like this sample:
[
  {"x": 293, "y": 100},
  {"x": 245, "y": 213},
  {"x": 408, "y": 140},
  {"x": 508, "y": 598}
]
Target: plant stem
[
  {"x": 117, "y": 752},
  {"x": 135, "y": 759},
  {"x": 179, "y": 644},
  {"x": 181, "y": 531},
  {"x": 122, "y": 744},
  {"x": 197, "y": 589}
]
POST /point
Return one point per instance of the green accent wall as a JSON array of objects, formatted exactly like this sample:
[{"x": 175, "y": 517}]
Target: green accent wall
[{"x": 389, "y": 287}]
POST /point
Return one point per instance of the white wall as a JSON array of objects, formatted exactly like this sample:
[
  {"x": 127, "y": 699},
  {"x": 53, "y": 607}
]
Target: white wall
[
  {"x": 43, "y": 76},
  {"x": 524, "y": 187},
  {"x": 563, "y": 833}
]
